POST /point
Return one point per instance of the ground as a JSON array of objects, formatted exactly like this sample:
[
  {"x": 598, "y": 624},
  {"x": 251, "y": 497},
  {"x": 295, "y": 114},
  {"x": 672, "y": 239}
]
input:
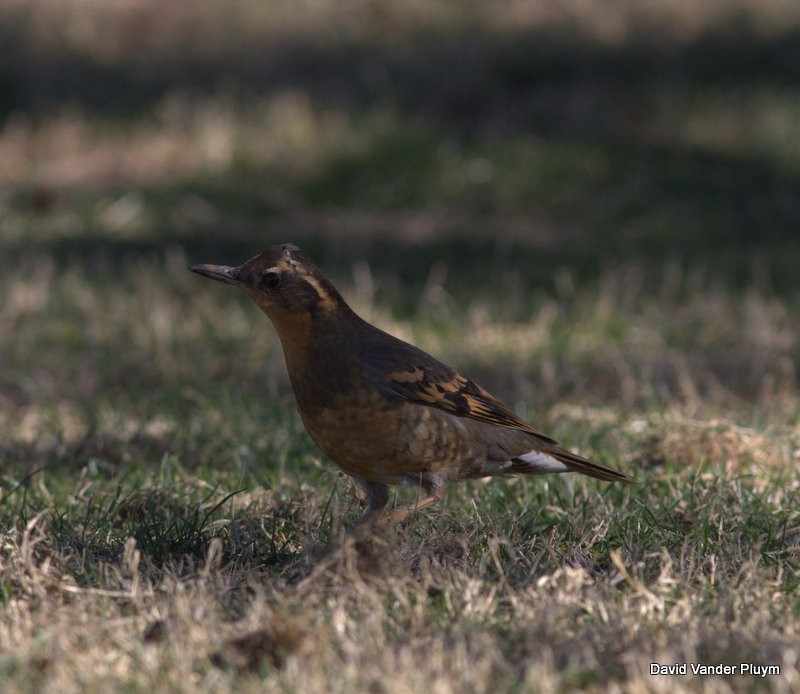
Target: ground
[{"x": 592, "y": 213}]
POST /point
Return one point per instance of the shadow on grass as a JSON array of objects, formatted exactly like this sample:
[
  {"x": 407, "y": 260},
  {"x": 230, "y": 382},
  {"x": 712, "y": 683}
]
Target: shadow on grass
[
  {"x": 648, "y": 200},
  {"x": 733, "y": 216},
  {"x": 553, "y": 79}
]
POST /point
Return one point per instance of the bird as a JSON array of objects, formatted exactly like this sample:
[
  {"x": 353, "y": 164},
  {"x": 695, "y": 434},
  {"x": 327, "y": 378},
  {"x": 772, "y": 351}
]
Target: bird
[{"x": 384, "y": 411}]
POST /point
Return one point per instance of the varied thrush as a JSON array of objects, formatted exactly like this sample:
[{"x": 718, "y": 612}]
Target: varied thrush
[{"x": 383, "y": 410}]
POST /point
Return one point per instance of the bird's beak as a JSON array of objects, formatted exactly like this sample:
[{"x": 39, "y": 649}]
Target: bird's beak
[{"x": 221, "y": 273}]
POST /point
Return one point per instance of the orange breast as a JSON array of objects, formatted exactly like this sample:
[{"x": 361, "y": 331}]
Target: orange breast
[{"x": 371, "y": 438}]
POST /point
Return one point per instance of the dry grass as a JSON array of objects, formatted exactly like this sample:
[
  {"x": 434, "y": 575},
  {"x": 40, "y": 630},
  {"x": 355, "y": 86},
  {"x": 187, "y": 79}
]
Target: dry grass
[
  {"x": 125, "y": 562},
  {"x": 580, "y": 208},
  {"x": 445, "y": 612}
]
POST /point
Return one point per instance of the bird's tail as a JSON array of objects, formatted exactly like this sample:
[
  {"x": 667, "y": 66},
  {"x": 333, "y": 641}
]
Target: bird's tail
[{"x": 553, "y": 458}]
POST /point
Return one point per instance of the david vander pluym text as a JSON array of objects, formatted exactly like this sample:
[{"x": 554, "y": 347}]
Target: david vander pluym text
[{"x": 751, "y": 669}]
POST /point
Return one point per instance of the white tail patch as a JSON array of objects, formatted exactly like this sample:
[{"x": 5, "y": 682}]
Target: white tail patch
[{"x": 541, "y": 462}]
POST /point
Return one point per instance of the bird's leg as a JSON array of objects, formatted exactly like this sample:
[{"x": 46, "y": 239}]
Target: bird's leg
[
  {"x": 434, "y": 488},
  {"x": 377, "y": 497}
]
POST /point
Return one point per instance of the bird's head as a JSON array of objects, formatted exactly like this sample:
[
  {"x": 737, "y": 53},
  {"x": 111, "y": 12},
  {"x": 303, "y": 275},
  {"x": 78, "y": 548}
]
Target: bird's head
[{"x": 281, "y": 282}]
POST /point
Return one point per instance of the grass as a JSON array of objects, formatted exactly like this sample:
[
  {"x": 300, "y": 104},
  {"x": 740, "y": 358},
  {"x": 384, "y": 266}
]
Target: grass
[{"x": 590, "y": 213}]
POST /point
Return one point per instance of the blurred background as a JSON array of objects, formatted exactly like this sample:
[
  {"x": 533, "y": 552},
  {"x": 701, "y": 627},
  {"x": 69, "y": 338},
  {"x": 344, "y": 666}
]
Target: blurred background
[{"x": 572, "y": 202}]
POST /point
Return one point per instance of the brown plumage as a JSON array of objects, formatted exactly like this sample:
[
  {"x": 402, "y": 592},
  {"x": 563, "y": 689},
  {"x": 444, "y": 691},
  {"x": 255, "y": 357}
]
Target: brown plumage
[{"x": 383, "y": 410}]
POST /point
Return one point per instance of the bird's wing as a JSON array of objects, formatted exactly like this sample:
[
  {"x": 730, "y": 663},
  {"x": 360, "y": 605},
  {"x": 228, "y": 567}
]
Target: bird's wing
[
  {"x": 406, "y": 372},
  {"x": 403, "y": 372}
]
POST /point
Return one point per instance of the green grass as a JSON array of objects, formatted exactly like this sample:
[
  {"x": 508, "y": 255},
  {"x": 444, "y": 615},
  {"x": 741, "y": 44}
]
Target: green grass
[{"x": 591, "y": 213}]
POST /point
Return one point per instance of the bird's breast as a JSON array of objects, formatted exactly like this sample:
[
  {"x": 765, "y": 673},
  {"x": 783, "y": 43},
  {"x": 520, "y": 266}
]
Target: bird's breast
[{"x": 375, "y": 439}]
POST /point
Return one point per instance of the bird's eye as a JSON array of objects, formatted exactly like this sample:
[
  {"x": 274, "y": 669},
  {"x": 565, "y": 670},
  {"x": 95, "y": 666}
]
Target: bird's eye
[{"x": 271, "y": 279}]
